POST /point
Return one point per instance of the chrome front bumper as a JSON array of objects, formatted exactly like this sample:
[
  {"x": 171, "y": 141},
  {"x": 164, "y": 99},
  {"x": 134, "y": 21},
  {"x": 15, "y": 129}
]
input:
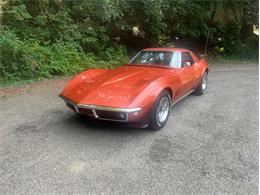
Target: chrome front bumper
[{"x": 101, "y": 112}]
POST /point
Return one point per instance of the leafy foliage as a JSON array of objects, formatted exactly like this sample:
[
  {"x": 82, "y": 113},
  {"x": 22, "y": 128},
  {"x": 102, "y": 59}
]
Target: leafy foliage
[
  {"x": 44, "y": 38},
  {"x": 30, "y": 60}
]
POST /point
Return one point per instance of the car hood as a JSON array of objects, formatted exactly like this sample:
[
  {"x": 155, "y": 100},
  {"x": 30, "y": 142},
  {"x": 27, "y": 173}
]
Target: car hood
[{"x": 116, "y": 88}]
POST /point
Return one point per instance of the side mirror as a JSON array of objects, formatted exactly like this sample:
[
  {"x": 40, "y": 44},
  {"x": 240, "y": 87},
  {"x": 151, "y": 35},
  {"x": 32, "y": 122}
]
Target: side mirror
[{"x": 186, "y": 64}]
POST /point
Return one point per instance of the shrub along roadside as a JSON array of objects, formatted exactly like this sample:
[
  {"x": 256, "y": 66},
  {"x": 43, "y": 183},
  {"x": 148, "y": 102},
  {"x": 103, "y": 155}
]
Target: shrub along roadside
[{"x": 30, "y": 60}]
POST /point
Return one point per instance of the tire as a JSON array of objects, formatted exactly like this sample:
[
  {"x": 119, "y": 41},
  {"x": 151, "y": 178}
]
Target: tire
[
  {"x": 203, "y": 84},
  {"x": 159, "y": 116}
]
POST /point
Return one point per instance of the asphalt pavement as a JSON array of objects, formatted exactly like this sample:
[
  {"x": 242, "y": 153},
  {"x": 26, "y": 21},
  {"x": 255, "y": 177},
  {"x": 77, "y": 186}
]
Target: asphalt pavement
[{"x": 209, "y": 145}]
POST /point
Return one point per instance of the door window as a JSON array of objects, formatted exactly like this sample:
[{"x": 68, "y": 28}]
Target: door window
[{"x": 186, "y": 59}]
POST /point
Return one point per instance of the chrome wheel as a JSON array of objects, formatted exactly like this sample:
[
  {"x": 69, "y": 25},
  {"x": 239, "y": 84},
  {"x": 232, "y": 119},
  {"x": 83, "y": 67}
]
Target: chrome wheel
[
  {"x": 162, "y": 110},
  {"x": 204, "y": 81}
]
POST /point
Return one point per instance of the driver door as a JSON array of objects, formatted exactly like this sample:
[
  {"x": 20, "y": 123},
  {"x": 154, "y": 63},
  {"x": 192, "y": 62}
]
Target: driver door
[{"x": 187, "y": 72}]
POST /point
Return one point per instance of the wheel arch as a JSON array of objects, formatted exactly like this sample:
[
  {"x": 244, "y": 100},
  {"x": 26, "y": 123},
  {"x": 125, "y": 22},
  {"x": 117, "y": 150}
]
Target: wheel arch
[
  {"x": 170, "y": 91},
  {"x": 147, "y": 96}
]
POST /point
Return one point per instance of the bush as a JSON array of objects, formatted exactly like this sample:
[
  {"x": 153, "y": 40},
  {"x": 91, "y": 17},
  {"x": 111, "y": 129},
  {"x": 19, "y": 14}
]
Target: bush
[{"x": 23, "y": 60}]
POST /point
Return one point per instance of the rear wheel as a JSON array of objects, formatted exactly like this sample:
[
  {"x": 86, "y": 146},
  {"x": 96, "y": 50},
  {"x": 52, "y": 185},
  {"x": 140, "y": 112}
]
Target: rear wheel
[
  {"x": 203, "y": 84},
  {"x": 160, "y": 111}
]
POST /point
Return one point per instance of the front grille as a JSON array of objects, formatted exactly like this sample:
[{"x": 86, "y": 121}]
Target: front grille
[
  {"x": 85, "y": 111},
  {"x": 110, "y": 115},
  {"x": 99, "y": 112}
]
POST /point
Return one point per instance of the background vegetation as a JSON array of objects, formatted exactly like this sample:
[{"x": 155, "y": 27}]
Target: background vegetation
[{"x": 43, "y": 38}]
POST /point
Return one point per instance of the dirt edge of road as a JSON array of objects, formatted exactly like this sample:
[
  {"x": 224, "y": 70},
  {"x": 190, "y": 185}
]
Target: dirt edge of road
[{"x": 13, "y": 90}]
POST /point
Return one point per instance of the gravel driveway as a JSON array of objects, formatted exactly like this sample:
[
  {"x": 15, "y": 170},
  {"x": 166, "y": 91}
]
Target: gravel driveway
[{"x": 209, "y": 145}]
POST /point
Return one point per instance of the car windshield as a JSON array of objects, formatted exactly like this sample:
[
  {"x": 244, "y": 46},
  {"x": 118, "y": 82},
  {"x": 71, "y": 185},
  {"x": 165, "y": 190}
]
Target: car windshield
[{"x": 161, "y": 58}]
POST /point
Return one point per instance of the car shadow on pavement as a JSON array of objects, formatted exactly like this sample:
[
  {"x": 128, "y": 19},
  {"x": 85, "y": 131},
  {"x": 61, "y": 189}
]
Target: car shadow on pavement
[{"x": 84, "y": 124}]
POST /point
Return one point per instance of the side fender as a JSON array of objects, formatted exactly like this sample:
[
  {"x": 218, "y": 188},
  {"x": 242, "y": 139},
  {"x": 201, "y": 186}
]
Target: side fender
[
  {"x": 199, "y": 68},
  {"x": 148, "y": 95},
  {"x": 204, "y": 64}
]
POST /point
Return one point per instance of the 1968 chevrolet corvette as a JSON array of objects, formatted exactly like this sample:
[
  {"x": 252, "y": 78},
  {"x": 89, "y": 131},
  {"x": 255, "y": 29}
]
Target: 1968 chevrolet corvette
[{"x": 141, "y": 92}]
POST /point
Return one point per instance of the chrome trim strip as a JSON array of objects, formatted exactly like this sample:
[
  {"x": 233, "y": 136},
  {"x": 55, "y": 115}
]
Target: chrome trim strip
[
  {"x": 76, "y": 108},
  {"x": 182, "y": 97},
  {"x": 67, "y": 101},
  {"x": 134, "y": 57},
  {"x": 107, "y": 108},
  {"x": 94, "y": 113}
]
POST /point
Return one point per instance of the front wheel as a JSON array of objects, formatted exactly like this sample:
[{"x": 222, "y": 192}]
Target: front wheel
[
  {"x": 203, "y": 84},
  {"x": 160, "y": 111}
]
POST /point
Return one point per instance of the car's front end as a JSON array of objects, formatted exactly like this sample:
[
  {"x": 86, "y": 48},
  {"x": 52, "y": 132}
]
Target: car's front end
[{"x": 105, "y": 112}]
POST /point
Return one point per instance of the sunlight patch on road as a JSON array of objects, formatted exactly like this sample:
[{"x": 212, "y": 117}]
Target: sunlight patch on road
[{"x": 77, "y": 167}]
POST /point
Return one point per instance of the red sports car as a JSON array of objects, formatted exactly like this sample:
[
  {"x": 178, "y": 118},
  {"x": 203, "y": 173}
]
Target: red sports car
[{"x": 141, "y": 92}]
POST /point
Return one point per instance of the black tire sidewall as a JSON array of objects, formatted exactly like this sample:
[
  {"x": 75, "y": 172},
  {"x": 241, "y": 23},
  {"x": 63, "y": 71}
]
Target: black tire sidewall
[
  {"x": 153, "y": 119},
  {"x": 199, "y": 90}
]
